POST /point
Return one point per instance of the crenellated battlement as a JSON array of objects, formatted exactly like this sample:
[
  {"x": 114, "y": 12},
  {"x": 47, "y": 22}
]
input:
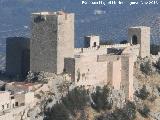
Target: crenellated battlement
[
  {"x": 101, "y": 47},
  {"x": 108, "y": 57},
  {"x": 115, "y": 45}
]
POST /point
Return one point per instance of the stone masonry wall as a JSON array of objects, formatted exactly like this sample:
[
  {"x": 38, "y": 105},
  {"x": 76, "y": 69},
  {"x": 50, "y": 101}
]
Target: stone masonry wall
[
  {"x": 90, "y": 72},
  {"x": 127, "y": 75},
  {"x": 43, "y": 45},
  {"x": 116, "y": 78},
  {"x": 116, "y": 70},
  {"x": 52, "y": 40},
  {"x": 17, "y": 56},
  {"x": 145, "y": 42},
  {"x": 65, "y": 40}
]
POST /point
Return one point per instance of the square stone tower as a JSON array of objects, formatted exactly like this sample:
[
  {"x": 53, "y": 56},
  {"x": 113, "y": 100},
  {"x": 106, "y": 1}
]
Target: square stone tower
[
  {"x": 140, "y": 35},
  {"x": 17, "y": 56},
  {"x": 91, "y": 41},
  {"x": 52, "y": 40}
]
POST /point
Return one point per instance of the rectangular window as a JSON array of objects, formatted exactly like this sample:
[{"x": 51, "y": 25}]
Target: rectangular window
[{"x": 16, "y": 104}]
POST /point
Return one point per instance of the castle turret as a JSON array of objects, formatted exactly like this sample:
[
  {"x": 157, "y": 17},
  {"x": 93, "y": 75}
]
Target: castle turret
[
  {"x": 52, "y": 40},
  {"x": 140, "y": 35},
  {"x": 91, "y": 41}
]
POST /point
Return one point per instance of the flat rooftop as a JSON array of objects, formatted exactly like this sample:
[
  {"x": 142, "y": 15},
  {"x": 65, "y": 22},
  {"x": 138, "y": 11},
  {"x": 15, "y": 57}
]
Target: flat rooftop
[
  {"x": 140, "y": 27},
  {"x": 92, "y": 35}
]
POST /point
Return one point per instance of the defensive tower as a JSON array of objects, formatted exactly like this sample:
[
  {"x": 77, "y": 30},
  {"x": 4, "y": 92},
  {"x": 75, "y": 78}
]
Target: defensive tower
[
  {"x": 140, "y": 35},
  {"x": 52, "y": 40}
]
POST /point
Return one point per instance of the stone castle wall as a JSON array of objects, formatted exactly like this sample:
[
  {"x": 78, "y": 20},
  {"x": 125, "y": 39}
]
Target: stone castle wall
[
  {"x": 101, "y": 49},
  {"x": 116, "y": 77},
  {"x": 127, "y": 64},
  {"x": 85, "y": 72},
  {"x": 116, "y": 70}
]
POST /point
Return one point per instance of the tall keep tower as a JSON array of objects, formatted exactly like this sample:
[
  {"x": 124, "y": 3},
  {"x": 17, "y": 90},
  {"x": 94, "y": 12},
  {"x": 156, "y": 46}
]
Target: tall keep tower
[
  {"x": 52, "y": 40},
  {"x": 140, "y": 35}
]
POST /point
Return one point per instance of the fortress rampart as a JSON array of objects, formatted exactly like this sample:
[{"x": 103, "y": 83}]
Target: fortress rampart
[
  {"x": 101, "y": 47},
  {"x": 52, "y": 50}
]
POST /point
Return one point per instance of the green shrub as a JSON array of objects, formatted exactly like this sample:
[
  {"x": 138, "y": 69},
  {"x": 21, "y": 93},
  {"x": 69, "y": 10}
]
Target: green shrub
[
  {"x": 76, "y": 99},
  {"x": 100, "y": 99},
  {"x": 57, "y": 112},
  {"x": 126, "y": 113},
  {"x": 146, "y": 68},
  {"x": 144, "y": 111},
  {"x": 38, "y": 96},
  {"x": 158, "y": 64},
  {"x": 154, "y": 49},
  {"x": 130, "y": 110},
  {"x": 158, "y": 88},
  {"x": 142, "y": 93}
]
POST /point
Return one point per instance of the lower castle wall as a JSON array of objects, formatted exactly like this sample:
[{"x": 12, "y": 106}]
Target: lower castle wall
[
  {"x": 90, "y": 72},
  {"x": 99, "y": 50},
  {"x": 117, "y": 70}
]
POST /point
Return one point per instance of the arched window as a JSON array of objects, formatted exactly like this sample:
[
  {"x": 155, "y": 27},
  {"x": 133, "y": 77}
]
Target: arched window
[
  {"x": 94, "y": 44},
  {"x": 134, "y": 40}
]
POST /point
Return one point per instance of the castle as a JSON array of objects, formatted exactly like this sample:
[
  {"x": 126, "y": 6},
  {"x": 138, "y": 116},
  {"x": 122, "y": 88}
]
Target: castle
[{"x": 51, "y": 49}]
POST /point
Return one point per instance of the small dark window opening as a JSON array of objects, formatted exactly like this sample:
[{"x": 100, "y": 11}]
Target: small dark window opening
[
  {"x": 39, "y": 19},
  {"x": 16, "y": 104},
  {"x": 7, "y": 105},
  {"x": 2, "y": 107},
  {"x": 64, "y": 70},
  {"x": 94, "y": 44},
  {"x": 134, "y": 40},
  {"x": 87, "y": 43},
  {"x": 12, "y": 97}
]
